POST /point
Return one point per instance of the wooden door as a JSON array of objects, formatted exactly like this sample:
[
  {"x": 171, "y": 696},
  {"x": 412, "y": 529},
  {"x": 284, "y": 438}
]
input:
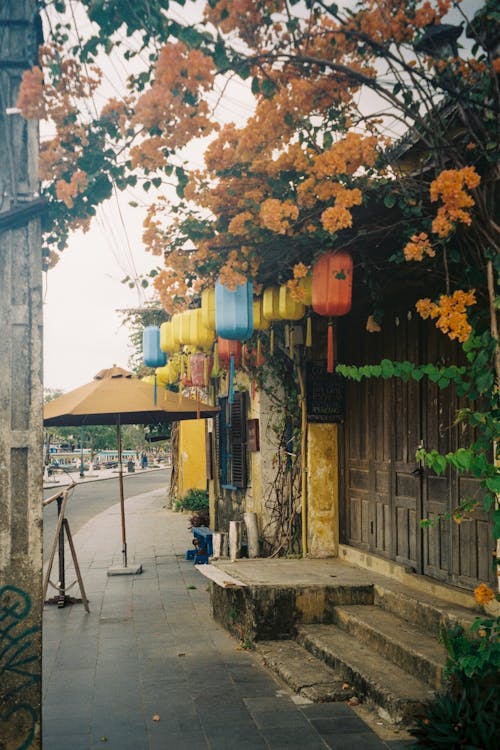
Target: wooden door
[
  {"x": 458, "y": 553},
  {"x": 387, "y": 493},
  {"x": 369, "y": 437}
]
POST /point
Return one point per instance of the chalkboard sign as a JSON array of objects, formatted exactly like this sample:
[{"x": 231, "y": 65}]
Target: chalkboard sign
[{"x": 325, "y": 394}]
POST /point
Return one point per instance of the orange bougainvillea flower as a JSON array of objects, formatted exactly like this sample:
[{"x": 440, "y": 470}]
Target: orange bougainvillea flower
[
  {"x": 335, "y": 218},
  {"x": 451, "y": 188},
  {"x": 451, "y": 313},
  {"x": 277, "y": 215},
  {"x": 483, "y": 594},
  {"x": 418, "y": 247}
]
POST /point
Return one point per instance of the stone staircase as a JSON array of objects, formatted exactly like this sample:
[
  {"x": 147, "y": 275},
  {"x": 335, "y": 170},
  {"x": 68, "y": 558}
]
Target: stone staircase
[{"x": 386, "y": 654}]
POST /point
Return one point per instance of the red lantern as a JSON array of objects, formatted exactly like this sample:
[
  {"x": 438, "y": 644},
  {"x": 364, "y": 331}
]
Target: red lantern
[
  {"x": 228, "y": 348},
  {"x": 332, "y": 291}
]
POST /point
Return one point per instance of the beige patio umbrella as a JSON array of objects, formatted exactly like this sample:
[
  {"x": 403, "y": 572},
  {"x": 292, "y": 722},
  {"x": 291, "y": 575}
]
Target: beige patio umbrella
[{"x": 116, "y": 396}]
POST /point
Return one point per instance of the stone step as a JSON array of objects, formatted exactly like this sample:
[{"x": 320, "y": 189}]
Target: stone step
[
  {"x": 397, "y": 695},
  {"x": 304, "y": 673},
  {"x": 395, "y": 639},
  {"x": 430, "y": 613}
]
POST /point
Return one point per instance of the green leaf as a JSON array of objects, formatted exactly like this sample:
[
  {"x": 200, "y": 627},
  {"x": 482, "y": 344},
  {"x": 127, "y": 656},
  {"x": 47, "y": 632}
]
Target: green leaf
[
  {"x": 493, "y": 484},
  {"x": 255, "y": 86},
  {"x": 488, "y": 501},
  {"x": 387, "y": 368},
  {"x": 389, "y": 200},
  {"x": 461, "y": 459},
  {"x": 268, "y": 88},
  {"x": 439, "y": 464}
]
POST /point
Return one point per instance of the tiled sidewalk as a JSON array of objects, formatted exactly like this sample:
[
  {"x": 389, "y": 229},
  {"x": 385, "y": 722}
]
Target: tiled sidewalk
[{"x": 148, "y": 669}]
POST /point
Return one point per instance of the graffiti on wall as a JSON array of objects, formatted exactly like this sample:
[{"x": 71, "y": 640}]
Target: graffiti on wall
[{"x": 19, "y": 670}]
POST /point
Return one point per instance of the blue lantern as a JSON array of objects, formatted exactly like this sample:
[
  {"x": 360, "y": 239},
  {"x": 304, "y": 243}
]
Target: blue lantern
[
  {"x": 153, "y": 355},
  {"x": 234, "y": 311}
]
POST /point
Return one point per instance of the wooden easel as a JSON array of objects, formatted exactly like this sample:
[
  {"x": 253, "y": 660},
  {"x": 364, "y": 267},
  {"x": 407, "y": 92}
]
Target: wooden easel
[{"x": 62, "y": 528}]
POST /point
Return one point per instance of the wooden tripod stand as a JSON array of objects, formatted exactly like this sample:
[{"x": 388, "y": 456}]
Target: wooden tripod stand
[{"x": 63, "y": 529}]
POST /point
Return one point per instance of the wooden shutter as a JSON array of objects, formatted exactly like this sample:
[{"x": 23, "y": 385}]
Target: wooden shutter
[
  {"x": 239, "y": 440},
  {"x": 220, "y": 441}
]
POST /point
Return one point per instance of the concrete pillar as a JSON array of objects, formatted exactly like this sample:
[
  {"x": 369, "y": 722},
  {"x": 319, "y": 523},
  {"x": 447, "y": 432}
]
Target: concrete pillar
[
  {"x": 234, "y": 540},
  {"x": 252, "y": 528},
  {"x": 21, "y": 463}
]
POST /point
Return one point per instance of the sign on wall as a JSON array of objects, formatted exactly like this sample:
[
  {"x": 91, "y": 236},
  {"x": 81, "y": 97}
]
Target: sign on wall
[{"x": 325, "y": 393}]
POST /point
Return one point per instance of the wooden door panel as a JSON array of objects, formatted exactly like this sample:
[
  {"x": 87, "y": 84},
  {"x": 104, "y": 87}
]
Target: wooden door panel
[{"x": 387, "y": 492}]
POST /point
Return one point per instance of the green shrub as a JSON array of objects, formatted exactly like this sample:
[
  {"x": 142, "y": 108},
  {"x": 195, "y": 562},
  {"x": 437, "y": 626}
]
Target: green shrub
[
  {"x": 467, "y": 713},
  {"x": 196, "y": 500},
  {"x": 468, "y": 720},
  {"x": 474, "y": 654}
]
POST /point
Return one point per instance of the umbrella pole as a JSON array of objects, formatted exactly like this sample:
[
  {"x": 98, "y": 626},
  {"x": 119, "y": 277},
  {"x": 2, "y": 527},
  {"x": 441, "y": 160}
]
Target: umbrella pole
[{"x": 122, "y": 498}]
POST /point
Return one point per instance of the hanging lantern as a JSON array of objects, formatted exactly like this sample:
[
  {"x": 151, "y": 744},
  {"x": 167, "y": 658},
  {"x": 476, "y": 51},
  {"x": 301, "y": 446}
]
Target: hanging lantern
[
  {"x": 201, "y": 367},
  {"x": 288, "y": 308},
  {"x": 271, "y": 310},
  {"x": 208, "y": 308},
  {"x": 199, "y": 334},
  {"x": 260, "y": 323},
  {"x": 167, "y": 340},
  {"x": 227, "y": 348},
  {"x": 153, "y": 355},
  {"x": 163, "y": 375},
  {"x": 234, "y": 311},
  {"x": 230, "y": 355},
  {"x": 176, "y": 328},
  {"x": 332, "y": 284},
  {"x": 271, "y": 303},
  {"x": 186, "y": 326},
  {"x": 332, "y": 292}
]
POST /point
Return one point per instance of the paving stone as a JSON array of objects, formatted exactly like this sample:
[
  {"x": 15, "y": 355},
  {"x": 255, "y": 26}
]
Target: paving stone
[{"x": 150, "y": 648}]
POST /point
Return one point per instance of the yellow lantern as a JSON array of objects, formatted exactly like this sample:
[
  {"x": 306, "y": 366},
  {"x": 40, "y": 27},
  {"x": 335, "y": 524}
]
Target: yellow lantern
[
  {"x": 163, "y": 374},
  {"x": 289, "y": 309},
  {"x": 271, "y": 303},
  {"x": 176, "y": 328},
  {"x": 167, "y": 341},
  {"x": 199, "y": 334},
  {"x": 259, "y": 321},
  {"x": 208, "y": 308},
  {"x": 186, "y": 318}
]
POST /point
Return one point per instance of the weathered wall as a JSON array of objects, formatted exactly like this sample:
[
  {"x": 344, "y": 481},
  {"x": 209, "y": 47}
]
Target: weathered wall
[
  {"x": 192, "y": 456},
  {"x": 322, "y": 490},
  {"x": 20, "y": 393}
]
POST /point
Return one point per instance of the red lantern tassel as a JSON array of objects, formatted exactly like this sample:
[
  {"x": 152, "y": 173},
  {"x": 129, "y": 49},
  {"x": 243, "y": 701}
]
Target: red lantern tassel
[{"x": 330, "y": 347}]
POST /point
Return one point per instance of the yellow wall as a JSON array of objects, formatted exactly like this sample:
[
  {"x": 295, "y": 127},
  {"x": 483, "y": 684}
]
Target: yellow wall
[
  {"x": 192, "y": 456},
  {"x": 322, "y": 490}
]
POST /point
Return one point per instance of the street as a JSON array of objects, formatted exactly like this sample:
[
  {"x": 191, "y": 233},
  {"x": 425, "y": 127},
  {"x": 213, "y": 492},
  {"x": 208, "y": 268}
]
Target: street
[{"x": 91, "y": 498}]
